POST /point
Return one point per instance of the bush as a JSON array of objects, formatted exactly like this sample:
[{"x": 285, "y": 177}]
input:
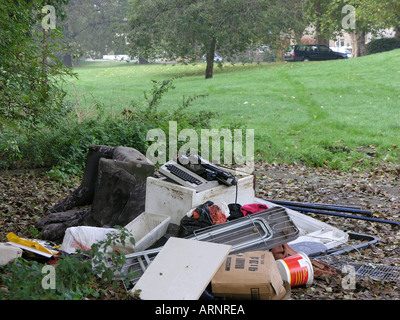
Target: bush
[
  {"x": 76, "y": 275},
  {"x": 382, "y": 45},
  {"x": 64, "y": 147}
]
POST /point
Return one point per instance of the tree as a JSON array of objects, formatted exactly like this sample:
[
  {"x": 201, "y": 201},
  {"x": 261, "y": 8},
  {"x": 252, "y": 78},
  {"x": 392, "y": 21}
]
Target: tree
[
  {"x": 299, "y": 17},
  {"x": 317, "y": 10},
  {"x": 381, "y": 15},
  {"x": 29, "y": 93},
  {"x": 188, "y": 29},
  {"x": 326, "y": 16},
  {"x": 95, "y": 28}
]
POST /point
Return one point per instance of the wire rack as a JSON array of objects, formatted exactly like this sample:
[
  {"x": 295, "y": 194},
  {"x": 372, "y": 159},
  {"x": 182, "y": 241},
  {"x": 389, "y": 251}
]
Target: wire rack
[
  {"x": 260, "y": 231},
  {"x": 377, "y": 272},
  {"x": 240, "y": 233}
]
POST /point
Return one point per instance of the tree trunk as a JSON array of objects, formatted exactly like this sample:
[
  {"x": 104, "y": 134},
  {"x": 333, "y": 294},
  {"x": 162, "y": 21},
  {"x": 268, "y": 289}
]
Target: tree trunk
[
  {"x": 84, "y": 194},
  {"x": 298, "y": 35},
  {"x": 397, "y": 34},
  {"x": 358, "y": 43},
  {"x": 67, "y": 60},
  {"x": 44, "y": 57},
  {"x": 320, "y": 38},
  {"x": 210, "y": 59},
  {"x": 143, "y": 61}
]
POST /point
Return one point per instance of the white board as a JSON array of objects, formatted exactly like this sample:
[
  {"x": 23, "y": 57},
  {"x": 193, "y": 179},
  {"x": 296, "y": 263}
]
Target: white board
[{"x": 181, "y": 270}]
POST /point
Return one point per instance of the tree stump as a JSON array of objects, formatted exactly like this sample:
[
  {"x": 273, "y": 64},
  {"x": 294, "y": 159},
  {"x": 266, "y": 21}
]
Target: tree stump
[
  {"x": 114, "y": 187},
  {"x": 84, "y": 194}
]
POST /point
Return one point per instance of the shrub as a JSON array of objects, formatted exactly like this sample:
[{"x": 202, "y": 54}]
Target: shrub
[
  {"x": 382, "y": 45},
  {"x": 75, "y": 275},
  {"x": 64, "y": 147}
]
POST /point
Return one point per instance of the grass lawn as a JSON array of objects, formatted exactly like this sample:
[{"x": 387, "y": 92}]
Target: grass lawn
[{"x": 338, "y": 113}]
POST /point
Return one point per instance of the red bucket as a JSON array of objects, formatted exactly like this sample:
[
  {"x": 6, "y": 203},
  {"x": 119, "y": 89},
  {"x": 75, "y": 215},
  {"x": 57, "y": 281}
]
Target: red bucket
[{"x": 297, "y": 270}]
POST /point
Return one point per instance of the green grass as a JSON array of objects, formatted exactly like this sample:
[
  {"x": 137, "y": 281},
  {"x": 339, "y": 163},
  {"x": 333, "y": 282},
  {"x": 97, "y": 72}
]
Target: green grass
[{"x": 322, "y": 113}]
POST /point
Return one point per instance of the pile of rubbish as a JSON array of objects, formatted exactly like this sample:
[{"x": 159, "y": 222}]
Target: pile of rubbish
[{"x": 219, "y": 242}]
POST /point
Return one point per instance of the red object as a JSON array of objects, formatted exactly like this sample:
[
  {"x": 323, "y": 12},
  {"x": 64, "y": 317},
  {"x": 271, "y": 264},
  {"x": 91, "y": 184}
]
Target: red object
[
  {"x": 54, "y": 259},
  {"x": 216, "y": 215},
  {"x": 299, "y": 268},
  {"x": 252, "y": 208}
]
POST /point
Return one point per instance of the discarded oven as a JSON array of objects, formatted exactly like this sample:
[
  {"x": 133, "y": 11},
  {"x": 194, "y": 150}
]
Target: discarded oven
[{"x": 259, "y": 231}]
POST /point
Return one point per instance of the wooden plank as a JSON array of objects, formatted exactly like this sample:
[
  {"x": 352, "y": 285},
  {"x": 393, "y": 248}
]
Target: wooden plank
[{"x": 181, "y": 270}]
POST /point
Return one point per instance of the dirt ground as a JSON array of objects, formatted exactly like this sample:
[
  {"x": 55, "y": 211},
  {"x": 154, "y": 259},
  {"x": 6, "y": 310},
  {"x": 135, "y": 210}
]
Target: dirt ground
[
  {"x": 26, "y": 197},
  {"x": 377, "y": 191}
]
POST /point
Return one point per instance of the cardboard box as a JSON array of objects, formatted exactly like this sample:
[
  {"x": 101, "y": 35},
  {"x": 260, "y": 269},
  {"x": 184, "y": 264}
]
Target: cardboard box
[{"x": 252, "y": 275}]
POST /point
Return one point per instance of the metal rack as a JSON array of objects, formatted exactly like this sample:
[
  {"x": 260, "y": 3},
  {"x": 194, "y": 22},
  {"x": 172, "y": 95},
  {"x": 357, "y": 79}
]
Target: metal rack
[
  {"x": 377, "y": 272},
  {"x": 239, "y": 234},
  {"x": 259, "y": 231}
]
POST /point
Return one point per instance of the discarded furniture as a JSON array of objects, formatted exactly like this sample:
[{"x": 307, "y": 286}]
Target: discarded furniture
[{"x": 113, "y": 186}]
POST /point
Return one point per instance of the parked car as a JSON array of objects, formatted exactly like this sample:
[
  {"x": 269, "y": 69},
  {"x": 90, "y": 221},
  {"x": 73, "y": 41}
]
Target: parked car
[
  {"x": 312, "y": 52},
  {"x": 342, "y": 50},
  {"x": 217, "y": 58}
]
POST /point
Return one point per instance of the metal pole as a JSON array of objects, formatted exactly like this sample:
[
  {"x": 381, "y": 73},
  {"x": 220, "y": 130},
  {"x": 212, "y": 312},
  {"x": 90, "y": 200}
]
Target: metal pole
[
  {"x": 343, "y": 215},
  {"x": 322, "y": 206}
]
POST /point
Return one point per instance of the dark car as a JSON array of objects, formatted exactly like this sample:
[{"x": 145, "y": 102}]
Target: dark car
[{"x": 312, "y": 53}]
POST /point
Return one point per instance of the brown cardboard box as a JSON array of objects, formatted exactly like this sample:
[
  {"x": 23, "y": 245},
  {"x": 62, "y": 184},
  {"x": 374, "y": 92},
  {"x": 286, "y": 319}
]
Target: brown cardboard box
[{"x": 251, "y": 275}]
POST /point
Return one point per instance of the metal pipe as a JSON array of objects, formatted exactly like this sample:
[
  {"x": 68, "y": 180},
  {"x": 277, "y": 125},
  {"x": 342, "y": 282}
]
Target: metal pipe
[
  {"x": 371, "y": 240},
  {"x": 322, "y": 206},
  {"x": 342, "y": 215}
]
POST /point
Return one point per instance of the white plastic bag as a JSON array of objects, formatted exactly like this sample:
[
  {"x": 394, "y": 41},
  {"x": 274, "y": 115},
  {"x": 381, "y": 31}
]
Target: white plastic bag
[
  {"x": 84, "y": 237},
  {"x": 8, "y": 253}
]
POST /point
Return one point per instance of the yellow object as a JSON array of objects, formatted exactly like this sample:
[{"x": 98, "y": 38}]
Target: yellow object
[{"x": 29, "y": 244}]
